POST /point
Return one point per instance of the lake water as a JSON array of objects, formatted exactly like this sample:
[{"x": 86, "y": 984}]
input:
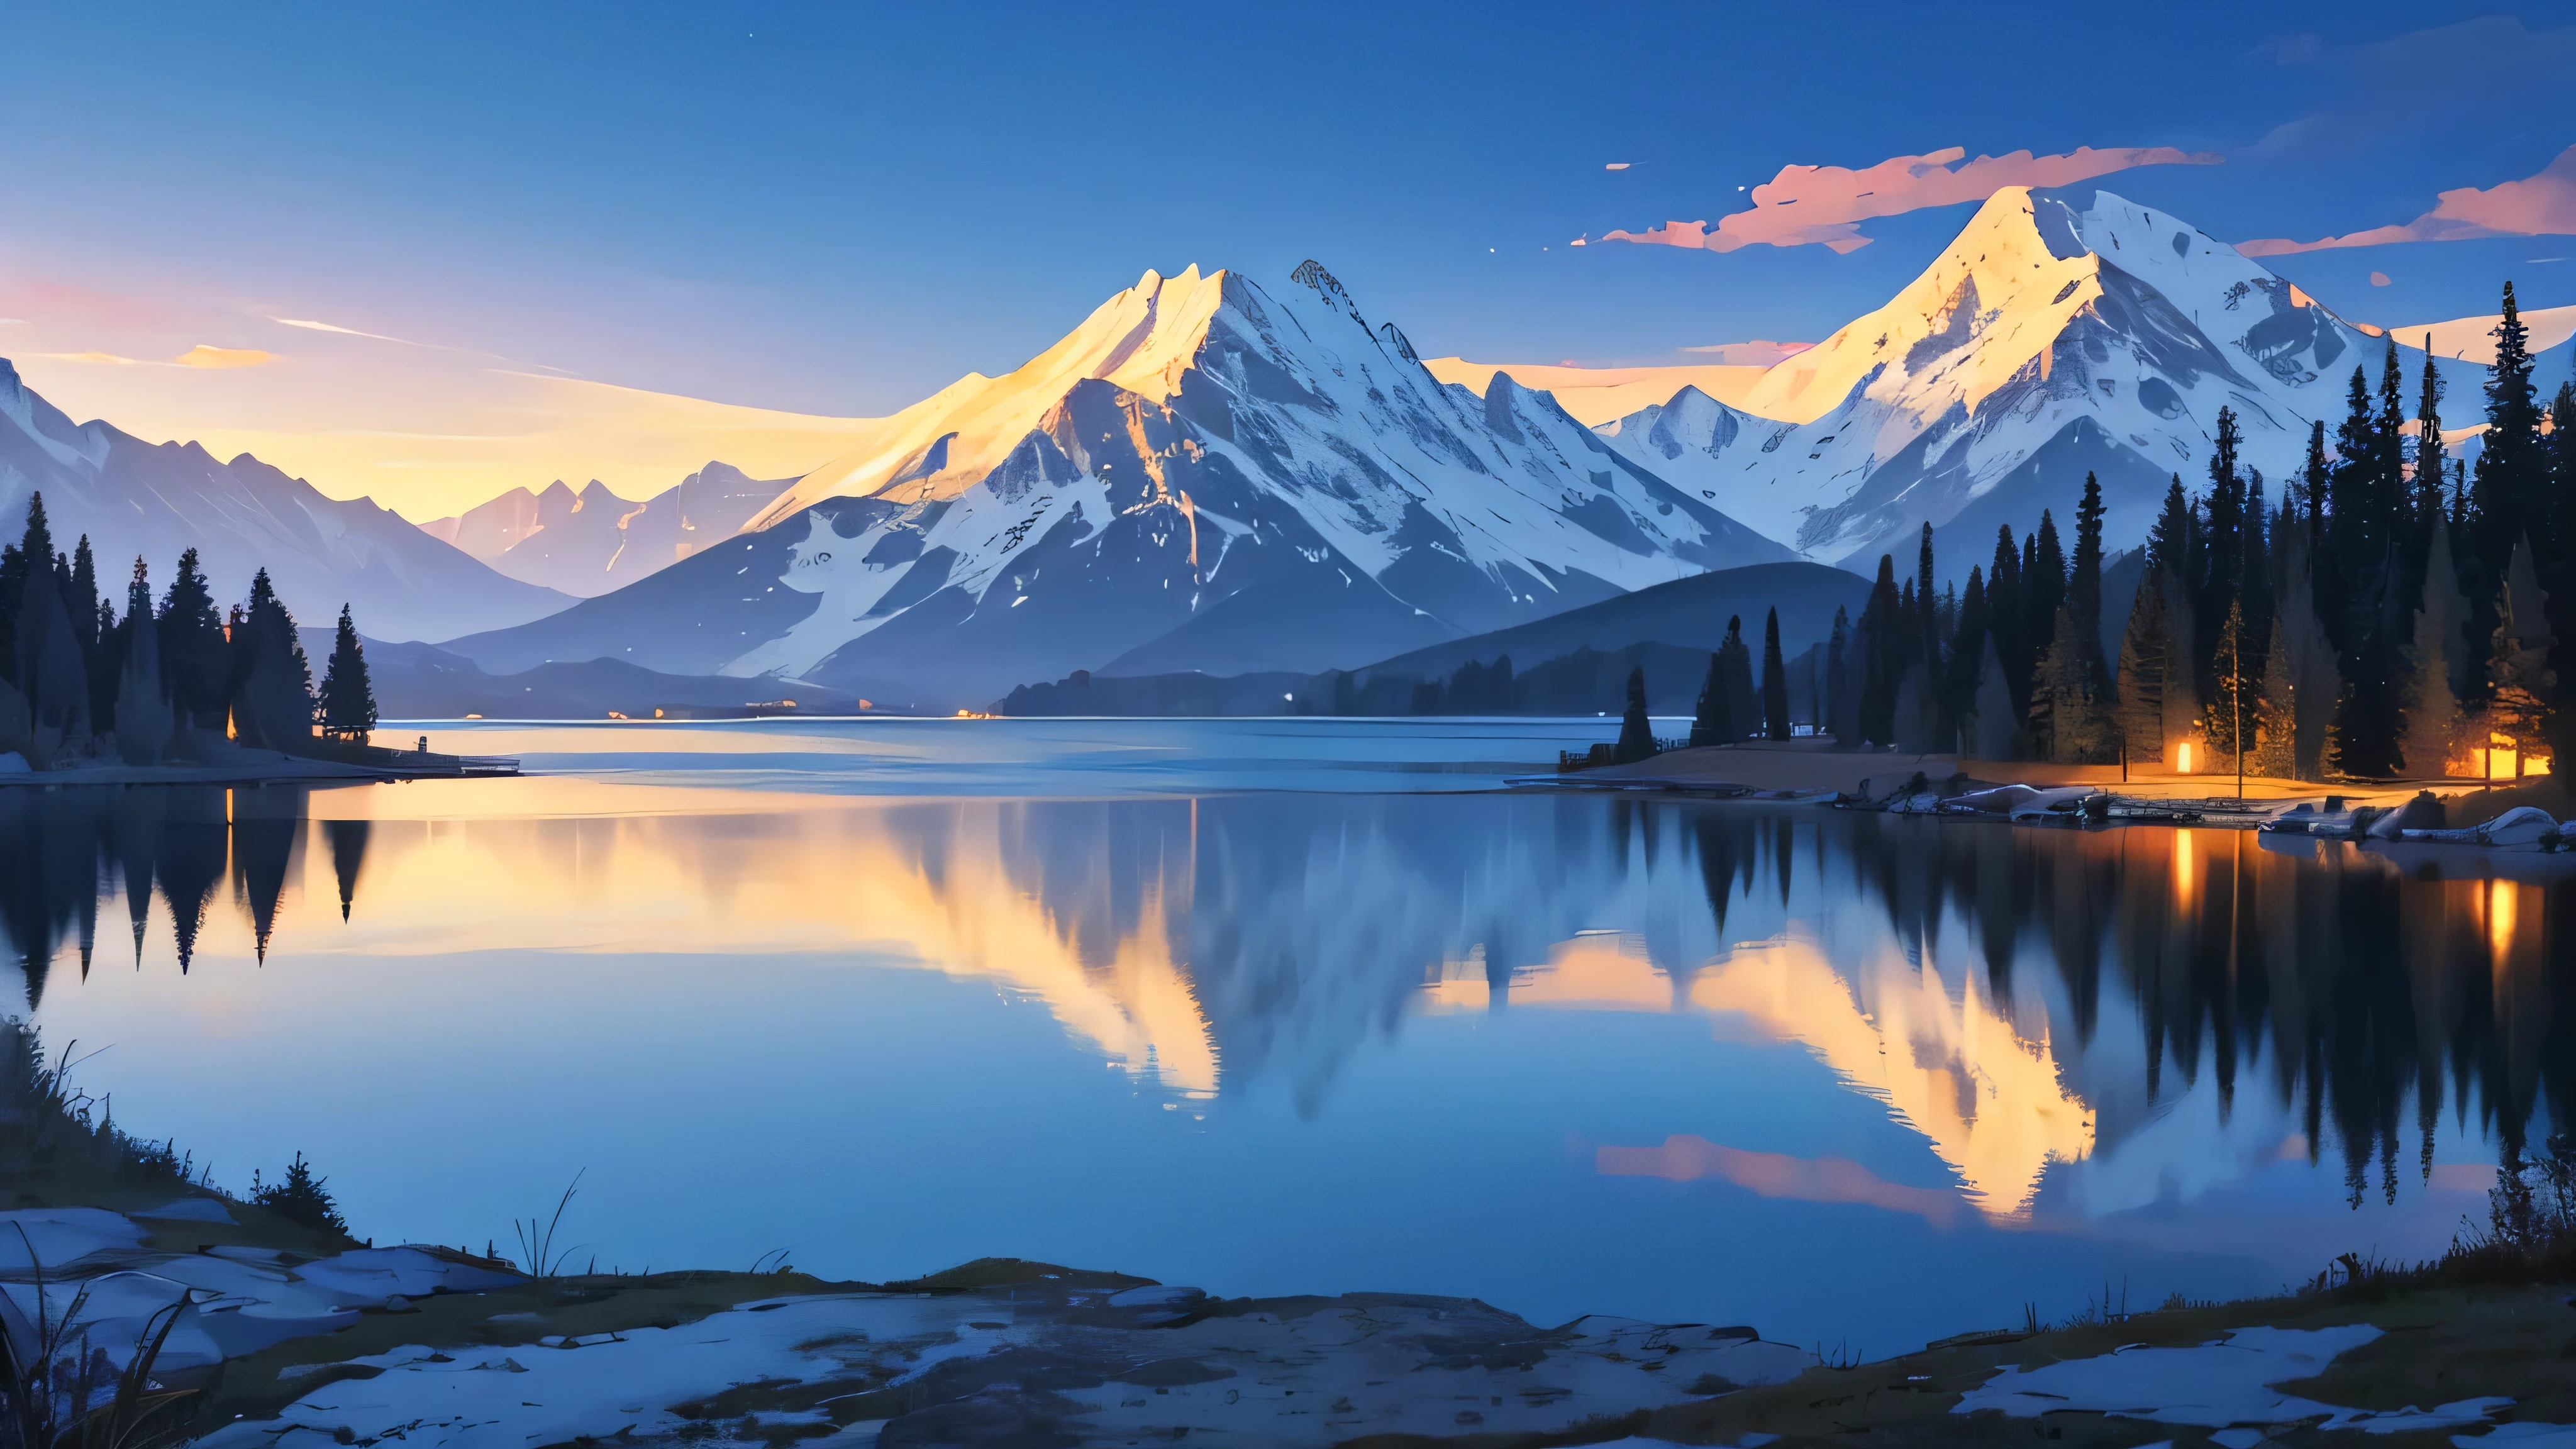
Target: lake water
[{"x": 1299, "y": 1006}]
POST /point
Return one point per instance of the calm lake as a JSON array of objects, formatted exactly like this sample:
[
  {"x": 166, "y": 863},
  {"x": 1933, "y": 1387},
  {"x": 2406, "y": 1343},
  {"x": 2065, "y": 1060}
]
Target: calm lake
[{"x": 1300, "y": 1006}]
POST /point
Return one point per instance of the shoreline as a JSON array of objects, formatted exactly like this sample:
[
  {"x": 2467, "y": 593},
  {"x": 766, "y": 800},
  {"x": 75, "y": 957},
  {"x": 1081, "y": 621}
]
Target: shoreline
[{"x": 255, "y": 767}]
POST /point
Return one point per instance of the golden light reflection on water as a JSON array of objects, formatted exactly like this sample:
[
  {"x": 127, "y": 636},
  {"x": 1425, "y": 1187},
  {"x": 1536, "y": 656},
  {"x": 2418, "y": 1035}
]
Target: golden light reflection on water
[
  {"x": 927, "y": 885},
  {"x": 1944, "y": 1059},
  {"x": 1293, "y": 931}
]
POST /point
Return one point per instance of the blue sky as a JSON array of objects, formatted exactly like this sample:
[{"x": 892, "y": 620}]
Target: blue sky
[{"x": 840, "y": 208}]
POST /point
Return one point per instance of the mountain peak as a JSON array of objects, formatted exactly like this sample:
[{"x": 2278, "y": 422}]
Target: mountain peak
[{"x": 2063, "y": 332}]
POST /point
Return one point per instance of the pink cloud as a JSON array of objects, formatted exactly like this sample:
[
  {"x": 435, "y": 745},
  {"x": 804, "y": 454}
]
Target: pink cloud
[
  {"x": 1821, "y": 205},
  {"x": 2541, "y": 205},
  {"x": 1806, "y": 1179}
]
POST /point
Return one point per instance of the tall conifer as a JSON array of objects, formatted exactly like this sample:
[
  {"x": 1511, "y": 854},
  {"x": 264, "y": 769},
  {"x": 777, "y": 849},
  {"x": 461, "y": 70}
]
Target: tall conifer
[
  {"x": 2004, "y": 614},
  {"x": 2430, "y": 475},
  {"x": 1775, "y": 681},
  {"x": 2512, "y": 469},
  {"x": 193, "y": 649},
  {"x": 1881, "y": 663}
]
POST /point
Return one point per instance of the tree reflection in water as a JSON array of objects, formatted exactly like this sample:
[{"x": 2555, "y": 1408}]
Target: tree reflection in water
[{"x": 2364, "y": 993}]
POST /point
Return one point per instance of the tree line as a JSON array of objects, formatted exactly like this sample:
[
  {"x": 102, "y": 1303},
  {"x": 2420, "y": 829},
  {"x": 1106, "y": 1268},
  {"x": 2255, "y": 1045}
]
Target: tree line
[
  {"x": 80, "y": 681},
  {"x": 2386, "y": 612}
]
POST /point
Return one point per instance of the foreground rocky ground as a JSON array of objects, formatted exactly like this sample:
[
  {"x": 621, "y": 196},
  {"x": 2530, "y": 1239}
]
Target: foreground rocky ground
[
  {"x": 288, "y": 1343},
  {"x": 140, "y": 1307}
]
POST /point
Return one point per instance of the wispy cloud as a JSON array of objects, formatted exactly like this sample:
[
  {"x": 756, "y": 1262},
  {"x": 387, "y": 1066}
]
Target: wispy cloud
[
  {"x": 312, "y": 326},
  {"x": 2538, "y": 205},
  {"x": 198, "y": 356},
  {"x": 203, "y": 356},
  {"x": 1822, "y": 205}
]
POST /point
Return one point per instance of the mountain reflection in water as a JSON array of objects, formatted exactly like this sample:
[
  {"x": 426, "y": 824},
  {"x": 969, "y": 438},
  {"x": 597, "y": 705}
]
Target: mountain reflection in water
[{"x": 2076, "y": 1024}]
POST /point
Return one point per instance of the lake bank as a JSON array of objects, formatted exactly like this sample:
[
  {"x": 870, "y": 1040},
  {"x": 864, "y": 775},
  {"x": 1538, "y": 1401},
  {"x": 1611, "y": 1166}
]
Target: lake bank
[{"x": 236, "y": 764}]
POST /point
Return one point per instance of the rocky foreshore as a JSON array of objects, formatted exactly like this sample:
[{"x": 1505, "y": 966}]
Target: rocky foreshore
[{"x": 284, "y": 1338}]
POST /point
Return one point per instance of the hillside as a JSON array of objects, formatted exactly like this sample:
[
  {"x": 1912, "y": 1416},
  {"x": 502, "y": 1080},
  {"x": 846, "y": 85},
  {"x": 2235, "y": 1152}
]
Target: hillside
[{"x": 1690, "y": 613}]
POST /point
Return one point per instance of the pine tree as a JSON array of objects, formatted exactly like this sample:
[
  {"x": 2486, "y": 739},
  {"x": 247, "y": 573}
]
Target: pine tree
[
  {"x": 1735, "y": 671},
  {"x": 1967, "y": 652},
  {"x": 2231, "y": 699},
  {"x": 28, "y": 558},
  {"x": 2062, "y": 706},
  {"x": 1842, "y": 692},
  {"x": 193, "y": 649},
  {"x": 2254, "y": 563},
  {"x": 1927, "y": 609},
  {"x": 1881, "y": 664},
  {"x": 2223, "y": 515},
  {"x": 1709, "y": 726},
  {"x": 2389, "y": 432},
  {"x": 2511, "y": 479},
  {"x": 1636, "y": 731},
  {"x": 1775, "y": 681},
  {"x": 2044, "y": 587},
  {"x": 2518, "y": 662},
  {"x": 349, "y": 701},
  {"x": 81, "y": 599},
  {"x": 2004, "y": 614},
  {"x": 143, "y": 720},
  {"x": 2312, "y": 483},
  {"x": 2084, "y": 584},
  {"x": 2429, "y": 472},
  {"x": 2437, "y": 664},
  {"x": 2309, "y": 663},
  {"x": 2147, "y": 660},
  {"x": 275, "y": 695},
  {"x": 51, "y": 674},
  {"x": 2357, "y": 517},
  {"x": 2274, "y": 753}
]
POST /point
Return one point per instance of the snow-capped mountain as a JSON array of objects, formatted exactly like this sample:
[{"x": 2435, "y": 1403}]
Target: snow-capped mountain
[
  {"x": 2063, "y": 332},
  {"x": 1203, "y": 475},
  {"x": 592, "y": 542},
  {"x": 156, "y": 499},
  {"x": 1697, "y": 443}
]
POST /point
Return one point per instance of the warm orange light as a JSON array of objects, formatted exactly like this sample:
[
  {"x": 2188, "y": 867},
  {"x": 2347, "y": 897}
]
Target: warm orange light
[
  {"x": 2535, "y": 765},
  {"x": 2185, "y": 861},
  {"x": 2182, "y": 758},
  {"x": 2502, "y": 905}
]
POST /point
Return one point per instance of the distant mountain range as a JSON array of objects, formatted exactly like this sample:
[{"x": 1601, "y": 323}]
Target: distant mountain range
[
  {"x": 2063, "y": 332},
  {"x": 1203, "y": 475},
  {"x": 1207, "y": 475},
  {"x": 156, "y": 499},
  {"x": 594, "y": 542}
]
